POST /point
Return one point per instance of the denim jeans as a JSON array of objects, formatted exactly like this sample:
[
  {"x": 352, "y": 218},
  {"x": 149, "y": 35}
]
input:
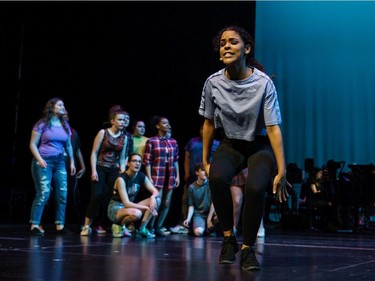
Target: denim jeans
[
  {"x": 43, "y": 178},
  {"x": 113, "y": 208}
]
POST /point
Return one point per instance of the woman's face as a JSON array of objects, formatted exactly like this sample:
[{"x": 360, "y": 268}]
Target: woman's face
[
  {"x": 119, "y": 121},
  {"x": 232, "y": 48},
  {"x": 135, "y": 163},
  {"x": 59, "y": 108},
  {"x": 163, "y": 126},
  {"x": 140, "y": 129},
  {"x": 127, "y": 120}
]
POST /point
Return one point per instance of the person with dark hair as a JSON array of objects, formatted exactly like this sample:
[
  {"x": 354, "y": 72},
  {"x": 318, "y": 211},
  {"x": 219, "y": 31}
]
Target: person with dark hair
[
  {"x": 240, "y": 102},
  {"x": 126, "y": 207},
  {"x": 108, "y": 159},
  {"x": 50, "y": 137},
  {"x": 162, "y": 169},
  {"x": 201, "y": 210},
  {"x": 193, "y": 156}
]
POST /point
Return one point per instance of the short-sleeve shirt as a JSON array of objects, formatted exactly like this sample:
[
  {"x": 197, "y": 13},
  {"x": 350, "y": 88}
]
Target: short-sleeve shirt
[
  {"x": 53, "y": 138},
  {"x": 243, "y": 108},
  {"x": 199, "y": 196},
  {"x": 162, "y": 153}
]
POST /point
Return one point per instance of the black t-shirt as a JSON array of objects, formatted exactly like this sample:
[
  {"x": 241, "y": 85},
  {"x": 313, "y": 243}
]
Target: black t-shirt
[{"x": 133, "y": 186}]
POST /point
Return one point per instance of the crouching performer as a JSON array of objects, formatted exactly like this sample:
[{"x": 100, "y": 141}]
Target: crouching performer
[{"x": 125, "y": 207}]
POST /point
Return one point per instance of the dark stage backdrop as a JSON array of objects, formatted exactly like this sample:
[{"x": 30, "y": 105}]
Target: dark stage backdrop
[
  {"x": 150, "y": 57},
  {"x": 323, "y": 56}
]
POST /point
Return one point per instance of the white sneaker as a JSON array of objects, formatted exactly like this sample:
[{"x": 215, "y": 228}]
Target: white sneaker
[
  {"x": 261, "y": 232},
  {"x": 178, "y": 229},
  {"x": 126, "y": 232},
  {"x": 86, "y": 231}
]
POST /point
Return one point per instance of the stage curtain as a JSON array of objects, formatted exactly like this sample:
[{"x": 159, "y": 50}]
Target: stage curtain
[{"x": 321, "y": 57}]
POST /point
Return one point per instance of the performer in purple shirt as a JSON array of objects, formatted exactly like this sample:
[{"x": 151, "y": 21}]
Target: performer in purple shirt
[{"x": 49, "y": 137}]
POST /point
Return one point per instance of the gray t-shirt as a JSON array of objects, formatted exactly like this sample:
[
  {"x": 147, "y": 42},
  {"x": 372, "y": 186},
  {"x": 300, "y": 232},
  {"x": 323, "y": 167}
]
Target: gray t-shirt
[
  {"x": 199, "y": 196},
  {"x": 243, "y": 108}
]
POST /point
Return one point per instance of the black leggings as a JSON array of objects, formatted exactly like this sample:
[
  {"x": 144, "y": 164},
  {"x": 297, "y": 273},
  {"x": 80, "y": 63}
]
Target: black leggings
[{"x": 230, "y": 158}]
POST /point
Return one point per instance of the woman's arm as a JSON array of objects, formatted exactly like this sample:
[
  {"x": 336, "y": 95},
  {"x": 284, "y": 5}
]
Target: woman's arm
[
  {"x": 187, "y": 166},
  {"x": 120, "y": 186},
  {"x": 34, "y": 141},
  {"x": 208, "y": 135},
  {"x": 177, "y": 167},
  {"x": 94, "y": 154},
  {"x": 124, "y": 156},
  {"x": 154, "y": 194},
  {"x": 69, "y": 151},
  {"x": 279, "y": 184}
]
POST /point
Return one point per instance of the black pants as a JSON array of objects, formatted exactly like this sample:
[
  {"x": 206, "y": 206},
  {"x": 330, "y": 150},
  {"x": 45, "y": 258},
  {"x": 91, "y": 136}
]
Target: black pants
[{"x": 230, "y": 158}]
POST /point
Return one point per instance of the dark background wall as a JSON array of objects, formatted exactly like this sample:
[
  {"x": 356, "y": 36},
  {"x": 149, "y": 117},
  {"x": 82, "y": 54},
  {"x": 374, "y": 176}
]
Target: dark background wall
[{"x": 150, "y": 57}]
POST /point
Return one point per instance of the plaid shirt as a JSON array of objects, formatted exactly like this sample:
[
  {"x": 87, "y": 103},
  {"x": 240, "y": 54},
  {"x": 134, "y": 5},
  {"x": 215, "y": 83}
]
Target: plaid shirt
[{"x": 156, "y": 155}]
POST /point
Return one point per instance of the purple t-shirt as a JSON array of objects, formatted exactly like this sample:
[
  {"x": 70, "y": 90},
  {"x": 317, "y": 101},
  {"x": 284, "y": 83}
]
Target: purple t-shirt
[{"x": 53, "y": 139}]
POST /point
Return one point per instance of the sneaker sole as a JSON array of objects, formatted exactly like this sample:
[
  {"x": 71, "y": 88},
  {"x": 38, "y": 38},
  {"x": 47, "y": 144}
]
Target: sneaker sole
[
  {"x": 227, "y": 261},
  {"x": 250, "y": 268}
]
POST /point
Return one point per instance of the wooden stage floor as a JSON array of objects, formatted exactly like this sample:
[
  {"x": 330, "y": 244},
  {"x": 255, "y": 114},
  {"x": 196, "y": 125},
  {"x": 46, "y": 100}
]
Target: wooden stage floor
[{"x": 287, "y": 255}]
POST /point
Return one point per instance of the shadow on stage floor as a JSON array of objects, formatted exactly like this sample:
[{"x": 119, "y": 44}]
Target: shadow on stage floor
[{"x": 287, "y": 255}]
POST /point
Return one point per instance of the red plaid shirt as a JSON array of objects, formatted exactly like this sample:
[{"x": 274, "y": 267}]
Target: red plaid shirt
[{"x": 156, "y": 155}]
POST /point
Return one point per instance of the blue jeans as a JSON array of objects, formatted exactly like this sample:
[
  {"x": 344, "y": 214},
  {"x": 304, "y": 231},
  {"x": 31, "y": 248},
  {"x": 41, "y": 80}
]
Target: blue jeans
[{"x": 43, "y": 177}]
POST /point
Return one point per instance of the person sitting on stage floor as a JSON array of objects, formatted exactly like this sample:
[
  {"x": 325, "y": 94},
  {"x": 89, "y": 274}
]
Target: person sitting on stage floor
[
  {"x": 124, "y": 208},
  {"x": 200, "y": 204}
]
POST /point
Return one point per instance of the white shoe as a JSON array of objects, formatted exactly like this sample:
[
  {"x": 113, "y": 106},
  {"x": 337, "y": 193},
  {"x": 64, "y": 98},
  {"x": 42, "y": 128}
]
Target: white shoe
[
  {"x": 261, "y": 232},
  {"x": 126, "y": 232},
  {"x": 86, "y": 231},
  {"x": 179, "y": 229}
]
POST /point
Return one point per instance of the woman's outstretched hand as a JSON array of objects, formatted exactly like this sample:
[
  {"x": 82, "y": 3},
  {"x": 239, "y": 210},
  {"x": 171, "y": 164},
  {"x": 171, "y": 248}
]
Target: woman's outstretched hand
[{"x": 281, "y": 188}]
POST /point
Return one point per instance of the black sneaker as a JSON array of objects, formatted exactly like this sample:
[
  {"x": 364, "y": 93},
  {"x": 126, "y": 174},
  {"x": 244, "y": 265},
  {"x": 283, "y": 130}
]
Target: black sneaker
[
  {"x": 249, "y": 260},
  {"x": 36, "y": 232},
  {"x": 229, "y": 248}
]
